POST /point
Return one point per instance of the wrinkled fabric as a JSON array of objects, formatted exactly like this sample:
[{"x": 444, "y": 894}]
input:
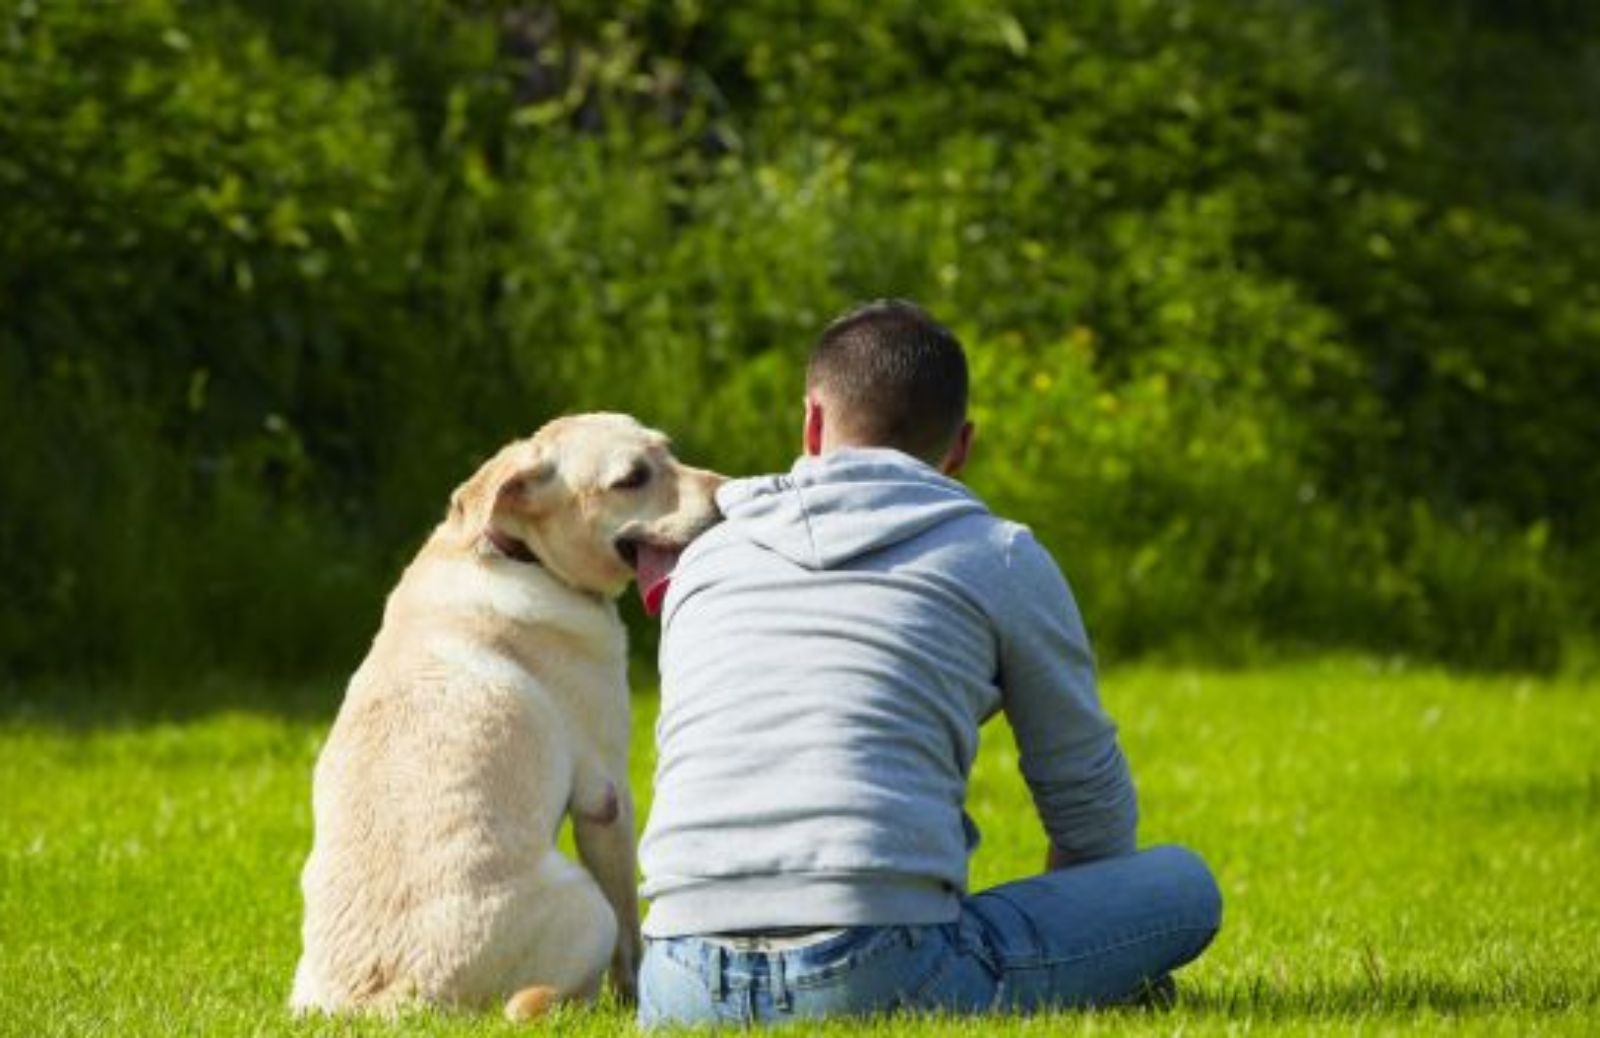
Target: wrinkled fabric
[
  {"x": 828, "y": 654},
  {"x": 1101, "y": 934}
]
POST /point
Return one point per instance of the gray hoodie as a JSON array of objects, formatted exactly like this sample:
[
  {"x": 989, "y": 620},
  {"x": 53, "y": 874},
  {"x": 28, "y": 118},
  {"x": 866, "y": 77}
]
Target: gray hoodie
[{"x": 827, "y": 656}]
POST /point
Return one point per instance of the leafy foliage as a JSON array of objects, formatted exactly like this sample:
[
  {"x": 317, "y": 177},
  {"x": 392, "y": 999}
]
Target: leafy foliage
[{"x": 1285, "y": 318}]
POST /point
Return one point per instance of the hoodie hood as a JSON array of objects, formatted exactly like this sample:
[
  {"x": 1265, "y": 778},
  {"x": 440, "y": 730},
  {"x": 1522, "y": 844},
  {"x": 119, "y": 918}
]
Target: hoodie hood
[{"x": 828, "y": 510}]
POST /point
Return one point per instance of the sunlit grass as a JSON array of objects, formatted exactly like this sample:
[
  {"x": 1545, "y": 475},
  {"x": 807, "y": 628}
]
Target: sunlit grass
[{"x": 1397, "y": 849}]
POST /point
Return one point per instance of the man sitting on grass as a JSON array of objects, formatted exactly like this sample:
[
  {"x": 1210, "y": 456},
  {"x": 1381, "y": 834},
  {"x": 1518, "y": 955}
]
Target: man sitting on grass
[{"x": 828, "y": 654}]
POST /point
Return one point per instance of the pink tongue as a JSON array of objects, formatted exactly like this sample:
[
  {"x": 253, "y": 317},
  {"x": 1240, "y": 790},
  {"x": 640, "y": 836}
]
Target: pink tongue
[{"x": 655, "y": 573}]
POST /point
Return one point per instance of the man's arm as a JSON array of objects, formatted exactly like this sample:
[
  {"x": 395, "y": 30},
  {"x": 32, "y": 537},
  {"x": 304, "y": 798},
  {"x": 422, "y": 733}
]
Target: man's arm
[{"x": 1066, "y": 743}]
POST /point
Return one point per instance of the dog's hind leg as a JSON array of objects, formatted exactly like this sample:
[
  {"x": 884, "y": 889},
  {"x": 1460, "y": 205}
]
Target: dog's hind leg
[{"x": 571, "y": 933}]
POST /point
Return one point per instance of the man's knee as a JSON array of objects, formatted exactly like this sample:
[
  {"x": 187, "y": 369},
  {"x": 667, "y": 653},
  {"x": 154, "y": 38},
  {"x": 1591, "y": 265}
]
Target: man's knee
[{"x": 1193, "y": 883}]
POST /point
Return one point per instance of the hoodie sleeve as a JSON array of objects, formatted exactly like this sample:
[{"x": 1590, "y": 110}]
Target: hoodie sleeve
[{"x": 1066, "y": 743}]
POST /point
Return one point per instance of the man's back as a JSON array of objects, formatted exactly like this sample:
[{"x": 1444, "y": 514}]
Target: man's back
[{"x": 828, "y": 654}]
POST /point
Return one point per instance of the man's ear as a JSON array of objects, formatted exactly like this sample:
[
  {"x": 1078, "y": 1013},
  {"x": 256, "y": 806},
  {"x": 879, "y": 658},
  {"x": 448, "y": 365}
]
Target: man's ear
[
  {"x": 811, "y": 434},
  {"x": 956, "y": 457}
]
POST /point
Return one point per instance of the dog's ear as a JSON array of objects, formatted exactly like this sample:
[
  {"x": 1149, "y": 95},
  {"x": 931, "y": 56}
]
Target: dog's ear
[
  {"x": 525, "y": 488},
  {"x": 515, "y": 480}
]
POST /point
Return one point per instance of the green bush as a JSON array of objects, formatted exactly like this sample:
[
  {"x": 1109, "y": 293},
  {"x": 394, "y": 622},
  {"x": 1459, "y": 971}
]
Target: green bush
[
  {"x": 195, "y": 296},
  {"x": 1269, "y": 347}
]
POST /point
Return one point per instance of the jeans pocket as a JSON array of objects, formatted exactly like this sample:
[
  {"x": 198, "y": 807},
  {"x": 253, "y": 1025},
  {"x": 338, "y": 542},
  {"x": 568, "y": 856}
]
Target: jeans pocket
[
  {"x": 673, "y": 988},
  {"x": 958, "y": 976},
  {"x": 684, "y": 954},
  {"x": 826, "y": 960},
  {"x": 976, "y": 941}
]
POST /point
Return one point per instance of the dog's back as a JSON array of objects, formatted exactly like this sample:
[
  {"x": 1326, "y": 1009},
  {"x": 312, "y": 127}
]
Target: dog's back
[
  {"x": 432, "y": 795},
  {"x": 441, "y": 786},
  {"x": 494, "y": 701}
]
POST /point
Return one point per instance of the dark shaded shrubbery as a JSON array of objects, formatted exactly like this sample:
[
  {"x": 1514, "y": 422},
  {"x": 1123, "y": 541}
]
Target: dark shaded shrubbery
[{"x": 1268, "y": 346}]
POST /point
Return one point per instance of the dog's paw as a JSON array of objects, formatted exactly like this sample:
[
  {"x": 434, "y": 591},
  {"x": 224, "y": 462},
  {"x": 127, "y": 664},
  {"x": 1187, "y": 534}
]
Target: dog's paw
[
  {"x": 625, "y": 970},
  {"x": 531, "y": 1003}
]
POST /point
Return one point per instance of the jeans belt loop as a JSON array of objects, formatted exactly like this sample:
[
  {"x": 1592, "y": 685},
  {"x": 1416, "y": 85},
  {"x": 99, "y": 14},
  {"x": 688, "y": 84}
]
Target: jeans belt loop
[
  {"x": 780, "y": 986},
  {"x": 719, "y": 972}
]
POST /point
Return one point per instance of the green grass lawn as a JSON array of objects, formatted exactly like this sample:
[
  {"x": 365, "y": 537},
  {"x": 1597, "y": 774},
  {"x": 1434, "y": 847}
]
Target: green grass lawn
[{"x": 1397, "y": 849}]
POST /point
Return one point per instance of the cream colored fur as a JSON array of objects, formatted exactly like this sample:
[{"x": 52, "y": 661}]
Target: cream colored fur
[{"x": 493, "y": 703}]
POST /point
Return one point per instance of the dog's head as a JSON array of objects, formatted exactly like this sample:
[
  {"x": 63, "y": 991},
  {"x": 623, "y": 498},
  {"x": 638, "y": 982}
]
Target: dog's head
[{"x": 581, "y": 495}]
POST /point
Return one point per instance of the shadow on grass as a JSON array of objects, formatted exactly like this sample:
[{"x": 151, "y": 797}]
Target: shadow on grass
[
  {"x": 92, "y": 704},
  {"x": 1390, "y": 996},
  {"x": 1495, "y": 798},
  {"x": 88, "y": 704}
]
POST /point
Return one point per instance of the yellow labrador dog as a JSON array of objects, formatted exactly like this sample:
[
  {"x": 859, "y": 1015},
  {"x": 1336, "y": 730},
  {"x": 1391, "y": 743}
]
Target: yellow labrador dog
[{"x": 493, "y": 703}]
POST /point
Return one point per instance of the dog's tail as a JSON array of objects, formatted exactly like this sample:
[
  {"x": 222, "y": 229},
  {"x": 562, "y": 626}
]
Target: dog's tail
[{"x": 531, "y": 1003}]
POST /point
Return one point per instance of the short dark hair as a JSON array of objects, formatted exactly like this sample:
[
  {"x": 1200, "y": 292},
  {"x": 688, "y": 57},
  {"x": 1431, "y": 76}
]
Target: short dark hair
[{"x": 897, "y": 376}]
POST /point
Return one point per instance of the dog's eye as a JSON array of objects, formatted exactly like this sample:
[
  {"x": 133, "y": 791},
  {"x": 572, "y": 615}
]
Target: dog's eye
[{"x": 637, "y": 477}]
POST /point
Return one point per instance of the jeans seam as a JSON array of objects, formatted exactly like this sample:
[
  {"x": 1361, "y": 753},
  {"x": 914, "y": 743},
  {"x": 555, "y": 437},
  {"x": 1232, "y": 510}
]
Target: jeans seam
[
  {"x": 910, "y": 996},
  {"x": 1116, "y": 945},
  {"x": 992, "y": 930}
]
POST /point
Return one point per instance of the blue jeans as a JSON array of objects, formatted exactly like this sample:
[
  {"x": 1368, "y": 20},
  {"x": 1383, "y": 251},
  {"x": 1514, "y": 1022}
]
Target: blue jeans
[{"x": 1090, "y": 935}]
